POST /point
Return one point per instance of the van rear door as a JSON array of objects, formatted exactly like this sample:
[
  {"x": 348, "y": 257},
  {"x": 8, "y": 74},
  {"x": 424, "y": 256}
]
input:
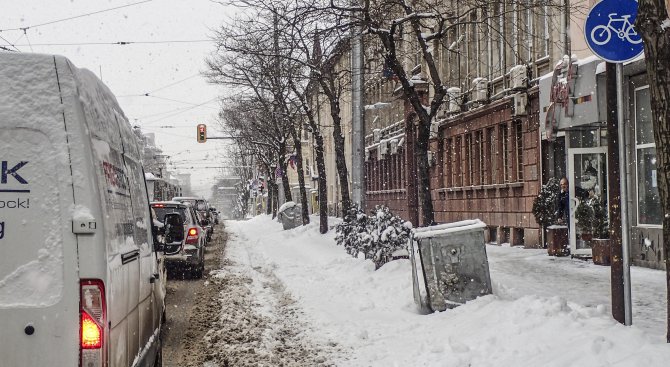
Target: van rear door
[{"x": 39, "y": 289}]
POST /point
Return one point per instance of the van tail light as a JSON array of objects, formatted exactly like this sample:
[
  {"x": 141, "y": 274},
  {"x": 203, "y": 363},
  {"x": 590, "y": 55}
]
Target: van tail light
[
  {"x": 192, "y": 236},
  {"x": 92, "y": 319}
]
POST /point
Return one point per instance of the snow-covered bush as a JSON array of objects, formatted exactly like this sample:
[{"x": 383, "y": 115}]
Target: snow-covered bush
[
  {"x": 354, "y": 233},
  {"x": 376, "y": 236},
  {"x": 389, "y": 233},
  {"x": 545, "y": 204}
]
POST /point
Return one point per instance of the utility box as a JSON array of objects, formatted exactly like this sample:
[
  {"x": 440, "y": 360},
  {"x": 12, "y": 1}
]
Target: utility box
[
  {"x": 449, "y": 264},
  {"x": 290, "y": 215}
]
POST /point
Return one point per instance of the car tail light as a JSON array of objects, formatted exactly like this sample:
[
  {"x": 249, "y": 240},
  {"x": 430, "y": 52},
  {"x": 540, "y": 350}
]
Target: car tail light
[
  {"x": 92, "y": 318},
  {"x": 192, "y": 236},
  {"x": 158, "y": 206}
]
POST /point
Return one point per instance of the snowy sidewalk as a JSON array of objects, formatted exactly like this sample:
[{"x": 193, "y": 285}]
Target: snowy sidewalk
[{"x": 544, "y": 311}]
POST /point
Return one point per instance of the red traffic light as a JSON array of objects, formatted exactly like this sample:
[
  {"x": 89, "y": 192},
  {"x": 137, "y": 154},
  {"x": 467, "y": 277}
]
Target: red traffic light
[{"x": 202, "y": 133}]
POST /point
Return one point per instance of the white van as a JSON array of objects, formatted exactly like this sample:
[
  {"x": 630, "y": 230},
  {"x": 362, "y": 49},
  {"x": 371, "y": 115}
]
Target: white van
[{"x": 81, "y": 283}]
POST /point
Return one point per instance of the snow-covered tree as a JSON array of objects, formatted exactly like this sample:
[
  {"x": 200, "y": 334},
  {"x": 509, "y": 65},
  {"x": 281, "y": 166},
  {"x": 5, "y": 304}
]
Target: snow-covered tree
[{"x": 376, "y": 236}]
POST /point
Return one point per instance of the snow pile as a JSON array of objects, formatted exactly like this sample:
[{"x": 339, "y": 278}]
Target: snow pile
[{"x": 544, "y": 311}]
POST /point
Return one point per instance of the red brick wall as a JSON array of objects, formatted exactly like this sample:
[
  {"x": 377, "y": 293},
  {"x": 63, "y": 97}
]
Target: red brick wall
[{"x": 482, "y": 180}]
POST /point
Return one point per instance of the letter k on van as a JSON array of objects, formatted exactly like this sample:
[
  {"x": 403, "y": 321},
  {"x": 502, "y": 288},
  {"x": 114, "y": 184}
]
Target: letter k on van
[{"x": 12, "y": 171}]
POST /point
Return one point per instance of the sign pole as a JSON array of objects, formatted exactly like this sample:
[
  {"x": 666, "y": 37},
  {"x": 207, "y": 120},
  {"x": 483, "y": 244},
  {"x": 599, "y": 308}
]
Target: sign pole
[
  {"x": 609, "y": 30},
  {"x": 623, "y": 182}
]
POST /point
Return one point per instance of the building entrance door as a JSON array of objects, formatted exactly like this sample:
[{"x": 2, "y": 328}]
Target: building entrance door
[{"x": 587, "y": 171}]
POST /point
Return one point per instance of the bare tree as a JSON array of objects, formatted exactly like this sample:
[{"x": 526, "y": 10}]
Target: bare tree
[{"x": 654, "y": 26}]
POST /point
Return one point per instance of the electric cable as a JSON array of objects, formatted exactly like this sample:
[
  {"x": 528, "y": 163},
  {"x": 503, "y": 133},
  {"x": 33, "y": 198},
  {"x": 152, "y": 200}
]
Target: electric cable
[
  {"x": 74, "y": 17},
  {"x": 9, "y": 43},
  {"x": 118, "y": 43}
]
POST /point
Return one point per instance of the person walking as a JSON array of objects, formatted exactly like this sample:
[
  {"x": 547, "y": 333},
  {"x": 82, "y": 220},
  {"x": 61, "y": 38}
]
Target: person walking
[{"x": 563, "y": 205}]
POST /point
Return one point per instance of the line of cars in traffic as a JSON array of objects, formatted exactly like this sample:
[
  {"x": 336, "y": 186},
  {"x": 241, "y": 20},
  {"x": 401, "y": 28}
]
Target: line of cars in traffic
[{"x": 197, "y": 218}]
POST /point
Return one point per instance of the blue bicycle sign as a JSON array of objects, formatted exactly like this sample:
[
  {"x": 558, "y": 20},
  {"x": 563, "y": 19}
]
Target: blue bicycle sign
[
  {"x": 610, "y": 32},
  {"x": 601, "y": 34}
]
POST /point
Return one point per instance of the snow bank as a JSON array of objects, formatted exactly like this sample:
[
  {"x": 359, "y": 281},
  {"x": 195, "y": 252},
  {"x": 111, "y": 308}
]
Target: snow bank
[{"x": 371, "y": 314}]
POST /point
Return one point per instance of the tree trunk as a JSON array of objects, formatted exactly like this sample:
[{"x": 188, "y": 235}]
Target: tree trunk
[
  {"x": 651, "y": 14},
  {"x": 323, "y": 188},
  {"x": 423, "y": 170},
  {"x": 301, "y": 175},
  {"x": 338, "y": 139},
  {"x": 415, "y": 99},
  {"x": 268, "y": 202}
]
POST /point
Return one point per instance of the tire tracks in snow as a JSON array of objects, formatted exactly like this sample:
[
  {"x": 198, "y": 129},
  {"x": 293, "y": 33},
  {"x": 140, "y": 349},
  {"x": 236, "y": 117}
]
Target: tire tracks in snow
[{"x": 259, "y": 323}]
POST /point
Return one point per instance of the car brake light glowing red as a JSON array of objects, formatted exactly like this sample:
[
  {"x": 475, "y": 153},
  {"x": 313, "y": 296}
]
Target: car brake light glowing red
[
  {"x": 193, "y": 232},
  {"x": 91, "y": 333},
  {"x": 158, "y": 205},
  {"x": 92, "y": 321}
]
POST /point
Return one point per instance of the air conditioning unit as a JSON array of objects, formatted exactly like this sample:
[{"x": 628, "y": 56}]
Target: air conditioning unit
[
  {"x": 384, "y": 147},
  {"x": 480, "y": 89},
  {"x": 434, "y": 130},
  {"x": 377, "y": 135},
  {"x": 454, "y": 100},
  {"x": 520, "y": 103},
  {"x": 393, "y": 146},
  {"x": 518, "y": 77}
]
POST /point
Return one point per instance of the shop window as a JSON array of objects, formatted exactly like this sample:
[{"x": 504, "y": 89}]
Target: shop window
[{"x": 649, "y": 202}]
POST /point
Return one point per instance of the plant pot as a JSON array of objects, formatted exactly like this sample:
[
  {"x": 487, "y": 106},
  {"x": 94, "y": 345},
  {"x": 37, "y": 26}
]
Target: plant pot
[
  {"x": 557, "y": 241},
  {"x": 600, "y": 249}
]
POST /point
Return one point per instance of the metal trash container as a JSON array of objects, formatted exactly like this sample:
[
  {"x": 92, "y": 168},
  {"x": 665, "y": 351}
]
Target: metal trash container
[
  {"x": 290, "y": 215},
  {"x": 449, "y": 264}
]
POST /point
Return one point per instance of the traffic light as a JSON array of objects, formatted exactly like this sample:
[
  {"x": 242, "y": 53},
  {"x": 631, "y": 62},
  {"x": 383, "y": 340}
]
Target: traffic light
[{"x": 202, "y": 133}]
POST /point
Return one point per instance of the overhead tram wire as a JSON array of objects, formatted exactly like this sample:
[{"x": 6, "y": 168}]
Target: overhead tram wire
[
  {"x": 179, "y": 110},
  {"x": 161, "y": 88},
  {"x": 74, "y": 17},
  {"x": 118, "y": 43}
]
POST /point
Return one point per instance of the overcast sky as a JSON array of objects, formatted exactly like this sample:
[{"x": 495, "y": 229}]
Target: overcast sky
[{"x": 179, "y": 97}]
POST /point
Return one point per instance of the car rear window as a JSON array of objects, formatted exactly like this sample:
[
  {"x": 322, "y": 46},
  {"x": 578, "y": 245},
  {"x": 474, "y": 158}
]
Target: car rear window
[
  {"x": 200, "y": 205},
  {"x": 160, "y": 213}
]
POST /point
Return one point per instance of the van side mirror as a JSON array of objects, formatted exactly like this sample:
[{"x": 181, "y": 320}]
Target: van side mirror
[{"x": 174, "y": 228}]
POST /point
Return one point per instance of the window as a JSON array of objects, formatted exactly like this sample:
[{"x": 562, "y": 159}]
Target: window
[
  {"x": 448, "y": 155},
  {"x": 505, "y": 145},
  {"x": 542, "y": 30},
  {"x": 478, "y": 161},
  {"x": 649, "y": 202},
  {"x": 468, "y": 161},
  {"x": 457, "y": 163},
  {"x": 519, "y": 150},
  {"x": 497, "y": 41},
  {"x": 489, "y": 156}
]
